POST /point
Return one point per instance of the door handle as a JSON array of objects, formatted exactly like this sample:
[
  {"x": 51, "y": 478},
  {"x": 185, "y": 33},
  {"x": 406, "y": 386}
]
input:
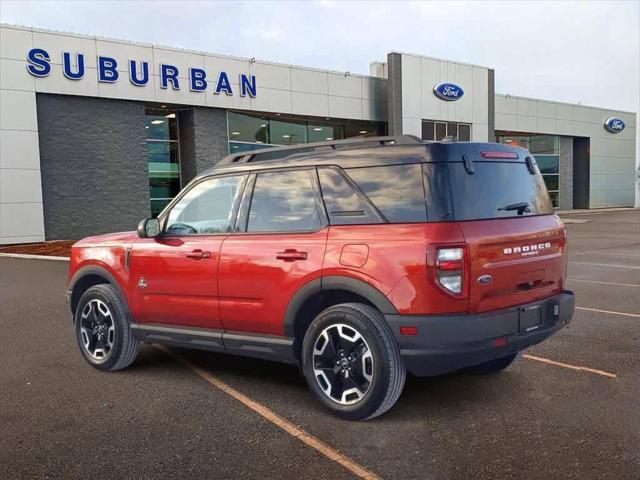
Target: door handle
[
  {"x": 198, "y": 254},
  {"x": 291, "y": 255}
]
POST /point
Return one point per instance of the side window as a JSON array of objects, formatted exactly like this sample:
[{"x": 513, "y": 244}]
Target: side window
[
  {"x": 284, "y": 202},
  {"x": 396, "y": 190},
  {"x": 344, "y": 204},
  {"x": 206, "y": 208}
]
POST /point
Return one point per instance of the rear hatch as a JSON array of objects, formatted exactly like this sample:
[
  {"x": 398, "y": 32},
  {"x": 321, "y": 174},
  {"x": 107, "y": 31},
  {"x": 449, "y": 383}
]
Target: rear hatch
[{"x": 516, "y": 243}]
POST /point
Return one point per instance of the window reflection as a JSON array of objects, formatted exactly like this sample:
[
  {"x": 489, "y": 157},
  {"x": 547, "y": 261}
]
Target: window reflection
[
  {"x": 283, "y": 202},
  {"x": 397, "y": 191},
  {"x": 546, "y": 150},
  {"x": 251, "y": 132},
  {"x": 206, "y": 208},
  {"x": 344, "y": 205}
]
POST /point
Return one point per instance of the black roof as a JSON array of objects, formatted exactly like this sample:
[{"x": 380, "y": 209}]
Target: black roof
[{"x": 356, "y": 152}]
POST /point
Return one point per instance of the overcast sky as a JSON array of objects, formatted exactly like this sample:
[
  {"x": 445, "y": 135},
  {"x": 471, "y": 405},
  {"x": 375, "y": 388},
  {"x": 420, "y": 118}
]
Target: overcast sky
[{"x": 587, "y": 52}]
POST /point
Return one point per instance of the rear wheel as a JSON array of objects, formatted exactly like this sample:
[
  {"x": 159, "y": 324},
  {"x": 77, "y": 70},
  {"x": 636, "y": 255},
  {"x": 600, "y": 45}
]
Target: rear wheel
[
  {"x": 496, "y": 365},
  {"x": 103, "y": 329},
  {"x": 351, "y": 361}
]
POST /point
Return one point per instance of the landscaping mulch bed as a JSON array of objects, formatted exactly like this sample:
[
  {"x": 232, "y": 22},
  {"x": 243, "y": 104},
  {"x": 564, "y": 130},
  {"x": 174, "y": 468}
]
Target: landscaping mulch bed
[{"x": 57, "y": 248}]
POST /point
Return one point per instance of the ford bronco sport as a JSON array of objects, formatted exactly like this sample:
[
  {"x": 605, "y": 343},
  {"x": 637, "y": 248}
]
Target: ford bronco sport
[{"x": 355, "y": 260}]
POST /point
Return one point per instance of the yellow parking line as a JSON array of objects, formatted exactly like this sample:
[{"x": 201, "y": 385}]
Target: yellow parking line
[
  {"x": 572, "y": 367},
  {"x": 609, "y": 311},
  {"x": 306, "y": 438}
]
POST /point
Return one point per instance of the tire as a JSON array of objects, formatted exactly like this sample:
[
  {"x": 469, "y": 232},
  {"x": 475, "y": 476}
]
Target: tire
[
  {"x": 103, "y": 329},
  {"x": 375, "y": 372},
  {"x": 494, "y": 366}
]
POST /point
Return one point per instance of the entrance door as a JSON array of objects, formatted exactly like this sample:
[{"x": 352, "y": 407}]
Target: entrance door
[
  {"x": 175, "y": 275},
  {"x": 279, "y": 249}
]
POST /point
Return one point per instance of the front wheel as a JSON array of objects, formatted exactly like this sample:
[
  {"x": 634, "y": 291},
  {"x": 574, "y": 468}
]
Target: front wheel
[
  {"x": 351, "y": 361},
  {"x": 103, "y": 329}
]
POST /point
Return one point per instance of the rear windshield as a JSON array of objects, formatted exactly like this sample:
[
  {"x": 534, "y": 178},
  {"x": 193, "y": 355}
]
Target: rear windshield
[{"x": 495, "y": 190}]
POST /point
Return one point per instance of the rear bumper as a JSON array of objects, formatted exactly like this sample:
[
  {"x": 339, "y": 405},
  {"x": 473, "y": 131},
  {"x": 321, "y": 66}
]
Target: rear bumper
[{"x": 451, "y": 342}]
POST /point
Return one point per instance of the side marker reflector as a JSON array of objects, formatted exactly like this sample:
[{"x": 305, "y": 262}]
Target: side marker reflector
[
  {"x": 500, "y": 342},
  {"x": 411, "y": 331}
]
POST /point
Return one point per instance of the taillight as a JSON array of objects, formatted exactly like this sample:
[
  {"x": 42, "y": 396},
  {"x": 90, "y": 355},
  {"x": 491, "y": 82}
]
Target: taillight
[{"x": 450, "y": 269}]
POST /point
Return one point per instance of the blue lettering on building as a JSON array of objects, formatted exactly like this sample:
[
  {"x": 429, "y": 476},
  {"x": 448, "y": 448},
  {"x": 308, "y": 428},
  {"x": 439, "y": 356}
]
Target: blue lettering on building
[
  {"x": 67, "y": 67},
  {"x": 107, "y": 70},
  {"x": 223, "y": 85},
  {"x": 139, "y": 80},
  {"x": 169, "y": 74},
  {"x": 248, "y": 85},
  {"x": 73, "y": 68},
  {"x": 197, "y": 80},
  {"x": 39, "y": 62}
]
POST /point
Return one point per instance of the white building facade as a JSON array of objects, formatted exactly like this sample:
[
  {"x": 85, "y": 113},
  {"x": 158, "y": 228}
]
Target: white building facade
[{"x": 96, "y": 133}]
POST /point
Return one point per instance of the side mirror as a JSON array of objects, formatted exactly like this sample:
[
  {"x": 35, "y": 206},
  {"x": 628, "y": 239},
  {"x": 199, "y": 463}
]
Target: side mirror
[{"x": 149, "y": 228}]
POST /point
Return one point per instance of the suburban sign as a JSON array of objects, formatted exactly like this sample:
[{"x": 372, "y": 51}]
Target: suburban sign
[
  {"x": 73, "y": 68},
  {"x": 448, "y": 91},
  {"x": 614, "y": 125}
]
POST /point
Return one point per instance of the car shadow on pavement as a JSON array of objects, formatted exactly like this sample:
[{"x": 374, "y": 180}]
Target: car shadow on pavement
[{"x": 284, "y": 387}]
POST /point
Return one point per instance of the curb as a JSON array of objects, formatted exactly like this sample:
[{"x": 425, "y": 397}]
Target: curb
[{"x": 33, "y": 257}]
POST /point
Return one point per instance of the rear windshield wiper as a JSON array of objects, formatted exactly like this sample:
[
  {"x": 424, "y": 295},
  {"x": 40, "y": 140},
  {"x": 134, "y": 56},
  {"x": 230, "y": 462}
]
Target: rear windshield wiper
[{"x": 522, "y": 207}]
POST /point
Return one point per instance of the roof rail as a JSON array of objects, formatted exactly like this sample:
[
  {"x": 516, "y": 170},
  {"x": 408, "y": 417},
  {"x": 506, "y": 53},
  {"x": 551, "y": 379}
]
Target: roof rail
[{"x": 273, "y": 153}]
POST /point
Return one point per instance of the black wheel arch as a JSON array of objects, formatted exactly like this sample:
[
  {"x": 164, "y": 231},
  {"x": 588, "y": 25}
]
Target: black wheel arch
[
  {"x": 348, "y": 289},
  {"x": 85, "y": 278}
]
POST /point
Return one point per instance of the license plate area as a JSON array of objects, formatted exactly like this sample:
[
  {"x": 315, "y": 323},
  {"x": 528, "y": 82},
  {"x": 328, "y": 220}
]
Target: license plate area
[{"x": 530, "y": 318}]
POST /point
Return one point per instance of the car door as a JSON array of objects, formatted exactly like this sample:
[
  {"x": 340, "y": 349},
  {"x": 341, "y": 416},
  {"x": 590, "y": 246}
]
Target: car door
[
  {"x": 174, "y": 277},
  {"x": 279, "y": 247}
]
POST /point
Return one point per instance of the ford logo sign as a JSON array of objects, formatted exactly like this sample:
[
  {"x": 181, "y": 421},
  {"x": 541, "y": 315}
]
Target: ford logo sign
[
  {"x": 448, "y": 91},
  {"x": 614, "y": 125}
]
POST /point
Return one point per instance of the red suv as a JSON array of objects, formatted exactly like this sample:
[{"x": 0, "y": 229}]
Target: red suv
[{"x": 356, "y": 260}]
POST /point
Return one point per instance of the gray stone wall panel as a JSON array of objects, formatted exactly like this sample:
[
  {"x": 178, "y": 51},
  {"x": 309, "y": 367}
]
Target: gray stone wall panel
[{"x": 95, "y": 176}]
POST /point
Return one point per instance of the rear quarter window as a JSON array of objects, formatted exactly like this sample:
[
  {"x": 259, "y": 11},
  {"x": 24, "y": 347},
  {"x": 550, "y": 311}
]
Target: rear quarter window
[{"x": 397, "y": 191}]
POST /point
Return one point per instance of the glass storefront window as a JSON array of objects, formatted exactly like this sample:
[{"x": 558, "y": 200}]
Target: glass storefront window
[
  {"x": 163, "y": 155},
  {"x": 253, "y": 132},
  {"x": 548, "y": 163},
  {"x": 287, "y": 132},
  {"x": 464, "y": 132},
  {"x": 438, "y": 131},
  {"x": 321, "y": 131},
  {"x": 428, "y": 131},
  {"x": 246, "y": 128},
  {"x": 545, "y": 144}
]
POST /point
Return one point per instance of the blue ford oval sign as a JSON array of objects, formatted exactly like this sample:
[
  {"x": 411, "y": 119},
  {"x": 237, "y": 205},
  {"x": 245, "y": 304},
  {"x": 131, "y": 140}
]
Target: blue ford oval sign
[
  {"x": 614, "y": 125},
  {"x": 448, "y": 91}
]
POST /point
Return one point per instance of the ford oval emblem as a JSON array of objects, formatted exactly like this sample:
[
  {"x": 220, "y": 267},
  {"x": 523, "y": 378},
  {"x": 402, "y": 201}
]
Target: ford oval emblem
[
  {"x": 614, "y": 125},
  {"x": 448, "y": 91},
  {"x": 485, "y": 279}
]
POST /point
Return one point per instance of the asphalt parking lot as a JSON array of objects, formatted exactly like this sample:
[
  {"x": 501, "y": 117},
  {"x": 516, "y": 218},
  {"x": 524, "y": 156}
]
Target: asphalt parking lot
[{"x": 544, "y": 417}]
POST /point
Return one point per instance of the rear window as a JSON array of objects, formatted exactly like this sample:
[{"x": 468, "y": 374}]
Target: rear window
[{"x": 494, "y": 190}]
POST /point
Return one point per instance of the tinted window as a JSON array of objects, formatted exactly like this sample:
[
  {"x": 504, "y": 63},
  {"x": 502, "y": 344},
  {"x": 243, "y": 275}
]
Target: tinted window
[
  {"x": 464, "y": 132},
  {"x": 496, "y": 190},
  {"x": 205, "y": 208},
  {"x": 397, "y": 191},
  {"x": 284, "y": 202},
  {"x": 344, "y": 205}
]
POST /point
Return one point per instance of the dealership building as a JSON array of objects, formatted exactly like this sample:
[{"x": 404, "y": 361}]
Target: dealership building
[{"x": 97, "y": 133}]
